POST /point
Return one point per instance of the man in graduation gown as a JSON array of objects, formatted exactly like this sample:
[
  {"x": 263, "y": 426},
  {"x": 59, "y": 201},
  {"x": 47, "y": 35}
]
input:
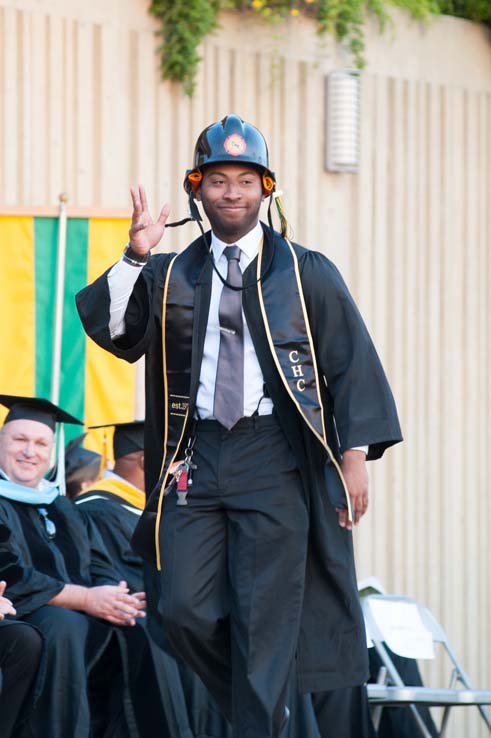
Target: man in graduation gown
[
  {"x": 21, "y": 648},
  {"x": 276, "y": 398},
  {"x": 114, "y": 505},
  {"x": 115, "y": 502},
  {"x": 60, "y": 580},
  {"x": 82, "y": 467}
]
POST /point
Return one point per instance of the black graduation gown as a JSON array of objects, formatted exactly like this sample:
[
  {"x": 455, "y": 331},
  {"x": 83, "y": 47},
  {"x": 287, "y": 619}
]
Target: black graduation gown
[
  {"x": 36, "y": 569},
  {"x": 163, "y": 685},
  {"x": 22, "y": 669},
  {"x": 356, "y": 398}
]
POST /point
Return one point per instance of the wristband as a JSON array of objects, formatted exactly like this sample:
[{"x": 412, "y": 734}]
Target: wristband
[{"x": 132, "y": 257}]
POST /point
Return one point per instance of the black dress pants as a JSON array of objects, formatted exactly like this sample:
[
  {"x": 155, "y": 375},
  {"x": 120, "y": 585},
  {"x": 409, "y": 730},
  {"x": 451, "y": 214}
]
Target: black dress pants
[
  {"x": 343, "y": 713},
  {"x": 20, "y": 655},
  {"x": 233, "y": 568}
]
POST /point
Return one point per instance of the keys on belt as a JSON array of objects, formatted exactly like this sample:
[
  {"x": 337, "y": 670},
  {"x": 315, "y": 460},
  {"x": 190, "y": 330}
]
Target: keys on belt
[{"x": 184, "y": 473}]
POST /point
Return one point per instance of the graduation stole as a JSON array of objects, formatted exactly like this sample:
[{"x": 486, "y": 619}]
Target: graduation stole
[
  {"x": 295, "y": 361},
  {"x": 119, "y": 488},
  {"x": 45, "y": 495}
]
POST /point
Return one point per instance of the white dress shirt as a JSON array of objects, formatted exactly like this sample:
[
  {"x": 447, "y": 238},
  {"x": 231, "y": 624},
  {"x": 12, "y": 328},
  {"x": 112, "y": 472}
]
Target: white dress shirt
[{"x": 253, "y": 376}]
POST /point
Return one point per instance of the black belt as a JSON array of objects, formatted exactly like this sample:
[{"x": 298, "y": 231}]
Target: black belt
[{"x": 255, "y": 422}]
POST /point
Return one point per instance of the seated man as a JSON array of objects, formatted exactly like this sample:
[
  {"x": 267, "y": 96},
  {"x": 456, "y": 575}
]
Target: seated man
[
  {"x": 20, "y": 656},
  {"x": 60, "y": 577},
  {"x": 114, "y": 504},
  {"x": 82, "y": 467}
]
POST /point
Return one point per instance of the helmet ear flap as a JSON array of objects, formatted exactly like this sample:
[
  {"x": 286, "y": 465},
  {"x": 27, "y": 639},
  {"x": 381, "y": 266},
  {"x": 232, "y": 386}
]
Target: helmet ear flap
[
  {"x": 268, "y": 184},
  {"x": 193, "y": 180}
]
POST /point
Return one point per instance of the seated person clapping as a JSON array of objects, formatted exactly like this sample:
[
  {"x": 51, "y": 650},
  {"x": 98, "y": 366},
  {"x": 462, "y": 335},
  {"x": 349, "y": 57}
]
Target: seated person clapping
[{"x": 59, "y": 574}]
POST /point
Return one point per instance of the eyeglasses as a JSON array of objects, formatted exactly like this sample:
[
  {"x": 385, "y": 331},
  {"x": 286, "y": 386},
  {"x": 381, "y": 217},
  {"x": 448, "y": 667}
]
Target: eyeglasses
[{"x": 49, "y": 526}]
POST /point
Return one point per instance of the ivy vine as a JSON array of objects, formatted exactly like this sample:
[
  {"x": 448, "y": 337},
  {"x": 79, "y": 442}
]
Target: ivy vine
[{"x": 185, "y": 23}]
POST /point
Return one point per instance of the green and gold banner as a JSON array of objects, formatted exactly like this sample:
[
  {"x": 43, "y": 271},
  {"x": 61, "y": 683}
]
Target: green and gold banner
[{"x": 94, "y": 386}]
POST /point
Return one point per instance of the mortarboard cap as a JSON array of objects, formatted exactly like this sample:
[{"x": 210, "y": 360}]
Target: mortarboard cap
[
  {"x": 128, "y": 437},
  {"x": 78, "y": 458},
  {"x": 35, "y": 408}
]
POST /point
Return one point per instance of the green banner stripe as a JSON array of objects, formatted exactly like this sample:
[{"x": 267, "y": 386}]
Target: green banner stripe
[
  {"x": 45, "y": 240},
  {"x": 72, "y": 392}
]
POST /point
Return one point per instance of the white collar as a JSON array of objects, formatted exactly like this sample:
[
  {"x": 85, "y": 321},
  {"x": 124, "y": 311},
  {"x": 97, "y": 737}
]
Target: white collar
[{"x": 249, "y": 243}]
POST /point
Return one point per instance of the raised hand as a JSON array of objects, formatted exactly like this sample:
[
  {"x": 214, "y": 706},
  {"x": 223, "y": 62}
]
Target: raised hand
[{"x": 145, "y": 233}]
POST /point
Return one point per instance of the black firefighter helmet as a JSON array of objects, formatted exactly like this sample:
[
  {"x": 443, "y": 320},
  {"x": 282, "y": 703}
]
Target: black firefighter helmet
[{"x": 230, "y": 140}]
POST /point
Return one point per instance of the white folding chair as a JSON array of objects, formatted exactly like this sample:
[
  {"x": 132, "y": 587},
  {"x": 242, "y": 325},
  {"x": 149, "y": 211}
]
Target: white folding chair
[{"x": 414, "y": 628}]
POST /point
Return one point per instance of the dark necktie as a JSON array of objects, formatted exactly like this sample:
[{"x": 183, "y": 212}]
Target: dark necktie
[{"x": 229, "y": 388}]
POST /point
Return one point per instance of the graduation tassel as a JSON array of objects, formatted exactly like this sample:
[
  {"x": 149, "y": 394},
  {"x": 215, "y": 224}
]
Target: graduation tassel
[
  {"x": 281, "y": 213},
  {"x": 105, "y": 458}
]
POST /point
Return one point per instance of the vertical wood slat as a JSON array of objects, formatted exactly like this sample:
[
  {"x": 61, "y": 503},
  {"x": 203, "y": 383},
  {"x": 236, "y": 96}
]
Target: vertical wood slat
[
  {"x": 86, "y": 105},
  {"x": 432, "y": 344},
  {"x": 114, "y": 101},
  {"x": 10, "y": 123},
  {"x": 26, "y": 101},
  {"x": 70, "y": 93},
  {"x": 484, "y": 426},
  {"x": 378, "y": 278},
  {"x": 394, "y": 493},
  {"x": 36, "y": 124},
  {"x": 54, "y": 113},
  {"x": 470, "y": 387},
  {"x": 360, "y": 282}
]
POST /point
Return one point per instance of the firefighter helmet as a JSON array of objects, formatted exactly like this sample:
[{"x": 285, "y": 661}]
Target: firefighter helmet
[{"x": 230, "y": 140}]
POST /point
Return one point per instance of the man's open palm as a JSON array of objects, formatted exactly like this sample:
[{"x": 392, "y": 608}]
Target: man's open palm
[{"x": 145, "y": 233}]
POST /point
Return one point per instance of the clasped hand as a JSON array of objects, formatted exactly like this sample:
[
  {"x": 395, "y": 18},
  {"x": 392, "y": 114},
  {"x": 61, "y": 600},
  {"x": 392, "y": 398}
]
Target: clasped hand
[
  {"x": 6, "y": 607},
  {"x": 115, "y": 604}
]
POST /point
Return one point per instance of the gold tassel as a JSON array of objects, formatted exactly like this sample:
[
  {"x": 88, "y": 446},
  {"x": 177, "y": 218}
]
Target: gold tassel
[
  {"x": 281, "y": 213},
  {"x": 105, "y": 454}
]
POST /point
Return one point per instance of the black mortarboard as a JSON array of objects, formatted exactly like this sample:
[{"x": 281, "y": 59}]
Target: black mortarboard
[
  {"x": 77, "y": 457},
  {"x": 128, "y": 437},
  {"x": 35, "y": 408}
]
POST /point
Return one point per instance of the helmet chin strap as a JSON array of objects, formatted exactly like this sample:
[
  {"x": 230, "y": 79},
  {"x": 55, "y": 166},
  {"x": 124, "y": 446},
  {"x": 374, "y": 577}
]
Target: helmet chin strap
[{"x": 195, "y": 215}]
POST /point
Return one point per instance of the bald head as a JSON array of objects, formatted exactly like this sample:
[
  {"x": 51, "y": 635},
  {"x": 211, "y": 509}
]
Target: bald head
[{"x": 131, "y": 468}]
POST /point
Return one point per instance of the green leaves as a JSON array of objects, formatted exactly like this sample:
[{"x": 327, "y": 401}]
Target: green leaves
[
  {"x": 477, "y": 10},
  {"x": 185, "y": 23}
]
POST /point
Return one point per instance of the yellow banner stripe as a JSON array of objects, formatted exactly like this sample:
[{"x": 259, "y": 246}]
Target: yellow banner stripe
[
  {"x": 109, "y": 382},
  {"x": 17, "y": 292}
]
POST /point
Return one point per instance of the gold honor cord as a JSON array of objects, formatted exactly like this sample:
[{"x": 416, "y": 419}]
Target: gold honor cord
[
  {"x": 322, "y": 438},
  {"x": 166, "y": 401}
]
